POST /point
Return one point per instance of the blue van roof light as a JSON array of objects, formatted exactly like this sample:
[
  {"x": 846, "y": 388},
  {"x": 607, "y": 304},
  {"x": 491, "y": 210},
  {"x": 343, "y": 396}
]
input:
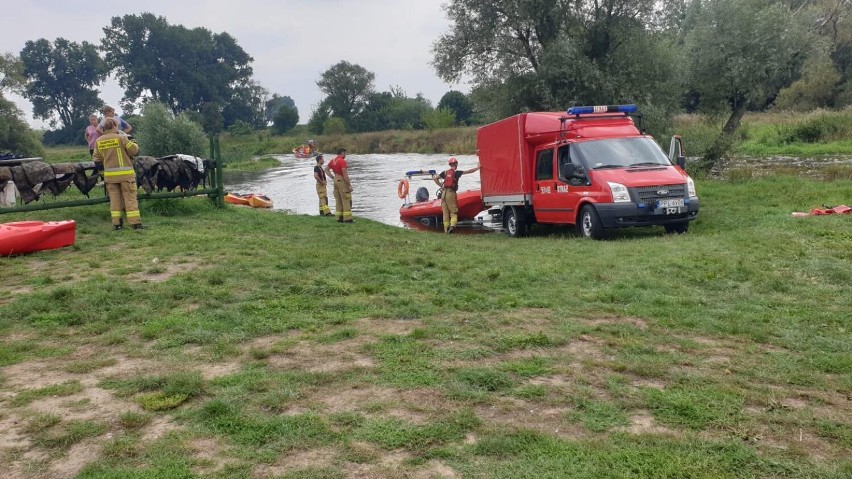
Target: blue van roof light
[{"x": 585, "y": 110}]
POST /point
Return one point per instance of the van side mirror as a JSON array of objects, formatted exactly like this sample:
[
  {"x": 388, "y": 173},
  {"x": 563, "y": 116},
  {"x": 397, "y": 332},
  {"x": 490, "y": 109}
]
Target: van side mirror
[{"x": 681, "y": 162}]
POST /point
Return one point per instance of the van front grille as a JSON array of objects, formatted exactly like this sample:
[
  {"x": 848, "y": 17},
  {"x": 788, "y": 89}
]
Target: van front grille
[{"x": 650, "y": 194}]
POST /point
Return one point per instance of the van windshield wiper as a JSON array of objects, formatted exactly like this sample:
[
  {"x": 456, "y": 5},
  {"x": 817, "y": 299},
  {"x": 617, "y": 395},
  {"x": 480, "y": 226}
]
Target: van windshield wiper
[
  {"x": 604, "y": 167},
  {"x": 647, "y": 163}
]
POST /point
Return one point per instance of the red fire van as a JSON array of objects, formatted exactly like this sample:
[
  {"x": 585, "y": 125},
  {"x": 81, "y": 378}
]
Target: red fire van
[{"x": 590, "y": 167}]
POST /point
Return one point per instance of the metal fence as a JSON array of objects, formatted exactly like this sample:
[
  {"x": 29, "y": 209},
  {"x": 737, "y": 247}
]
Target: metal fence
[{"x": 216, "y": 192}]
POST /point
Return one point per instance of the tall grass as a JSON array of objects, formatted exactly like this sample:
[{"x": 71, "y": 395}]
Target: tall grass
[{"x": 819, "y": 132}]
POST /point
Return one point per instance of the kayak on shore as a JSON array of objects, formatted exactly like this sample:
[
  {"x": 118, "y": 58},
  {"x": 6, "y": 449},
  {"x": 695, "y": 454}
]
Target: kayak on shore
[{"x": 30, "y": 236}]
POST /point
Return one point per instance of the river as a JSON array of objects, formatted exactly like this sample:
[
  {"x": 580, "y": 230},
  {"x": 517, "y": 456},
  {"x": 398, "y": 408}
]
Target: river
[{"x": 292, "y": 187}]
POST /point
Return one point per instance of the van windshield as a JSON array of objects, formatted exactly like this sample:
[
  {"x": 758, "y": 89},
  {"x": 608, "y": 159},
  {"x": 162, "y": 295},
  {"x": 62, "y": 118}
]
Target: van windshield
[{"x": 620, "y": 153}]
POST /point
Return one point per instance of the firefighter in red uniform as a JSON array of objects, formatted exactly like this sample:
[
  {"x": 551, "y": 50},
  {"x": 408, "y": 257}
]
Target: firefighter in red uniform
[
  {"x": 114, "y": 157},
  {"x": 338, "y": 170},
  {"x": 322, "y": 188},
  {"x": 449, "y": 182}
]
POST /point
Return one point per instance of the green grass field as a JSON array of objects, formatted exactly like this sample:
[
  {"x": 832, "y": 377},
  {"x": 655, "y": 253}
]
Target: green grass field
[{"x": 244, "y": 343}]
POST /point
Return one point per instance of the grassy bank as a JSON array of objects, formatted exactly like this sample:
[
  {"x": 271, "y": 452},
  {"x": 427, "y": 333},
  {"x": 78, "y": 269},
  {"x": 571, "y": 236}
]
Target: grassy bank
[{"x": 244, "y": 343}]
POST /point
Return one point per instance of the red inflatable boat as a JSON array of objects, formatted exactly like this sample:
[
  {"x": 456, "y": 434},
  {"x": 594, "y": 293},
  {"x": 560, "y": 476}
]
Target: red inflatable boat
[
  {"x": 470, "y": 202},
  {"x": 29, "y": 236}
]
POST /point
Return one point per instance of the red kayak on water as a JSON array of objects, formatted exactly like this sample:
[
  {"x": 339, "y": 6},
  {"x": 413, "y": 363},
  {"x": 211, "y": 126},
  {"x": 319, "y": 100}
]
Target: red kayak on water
[
  {"x": 470, "y": 202},
  {"x": 29, "y": 236}
]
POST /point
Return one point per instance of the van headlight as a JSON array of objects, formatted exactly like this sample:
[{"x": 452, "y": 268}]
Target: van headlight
[
  {"x": 619, "y": 192},
  {"x": 690, "y": 188}
]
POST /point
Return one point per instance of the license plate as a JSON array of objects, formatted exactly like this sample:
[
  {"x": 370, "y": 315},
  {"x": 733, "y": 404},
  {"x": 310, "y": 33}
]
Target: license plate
[{"x": 670, "y": 203}]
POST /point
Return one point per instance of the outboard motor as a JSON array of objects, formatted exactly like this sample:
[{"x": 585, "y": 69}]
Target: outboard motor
[{"x": 422, "y": 194}]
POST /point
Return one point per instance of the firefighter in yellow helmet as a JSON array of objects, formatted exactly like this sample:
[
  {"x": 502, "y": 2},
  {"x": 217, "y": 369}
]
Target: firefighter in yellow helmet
[
  {"x": 449, "y": 182},
  {"x": 113, "y": 156}
]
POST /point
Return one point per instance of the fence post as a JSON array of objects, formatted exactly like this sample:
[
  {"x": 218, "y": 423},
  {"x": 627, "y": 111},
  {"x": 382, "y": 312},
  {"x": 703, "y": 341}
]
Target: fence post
[{"x": 220, "y": 180}]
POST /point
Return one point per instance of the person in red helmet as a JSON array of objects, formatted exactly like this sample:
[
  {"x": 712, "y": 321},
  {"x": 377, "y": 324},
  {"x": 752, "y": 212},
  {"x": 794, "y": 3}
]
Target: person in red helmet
[{"x": 449, "y": 182}]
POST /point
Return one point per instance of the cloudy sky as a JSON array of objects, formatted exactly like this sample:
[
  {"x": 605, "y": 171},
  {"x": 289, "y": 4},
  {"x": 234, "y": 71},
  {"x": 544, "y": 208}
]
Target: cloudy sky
[{"x": 292, "y": 41}]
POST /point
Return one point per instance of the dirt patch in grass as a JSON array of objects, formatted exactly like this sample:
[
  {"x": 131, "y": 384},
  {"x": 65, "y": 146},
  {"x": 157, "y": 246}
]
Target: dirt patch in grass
[
  {"x": 15, "y": 290},
  {"x": 209, "y": 452},
  {"x": 642, "y": 422},
  {"x": 417, "y": 406},
  {"x": 518, "y": 414},
  {"x": 214, "y": 370},
  {"x": 433, "y": 470},
  {"x": 336, "y": 399},
  {"x": 71, "y": 463},
  {"x": 385, "y": 327},
  {"x": 648, "y": 383},
  {"x": 586, "y": 350},
  {"x": 388, "y": 465},
  {"x": 326, "y": 358},
  {"x": 637, "y": 322},
  {"x": 158, "y": 270},
  {"x": 295, "y": 461},
  {"x": 158, "y": 428}
]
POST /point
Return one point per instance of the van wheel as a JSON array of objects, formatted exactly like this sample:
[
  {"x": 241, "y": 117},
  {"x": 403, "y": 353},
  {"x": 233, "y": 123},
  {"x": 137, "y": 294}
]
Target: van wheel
[
  {"x": 678, "y": 228},
  {"x": 515, "y": 223},
  {"x": 590, "y": 225}
]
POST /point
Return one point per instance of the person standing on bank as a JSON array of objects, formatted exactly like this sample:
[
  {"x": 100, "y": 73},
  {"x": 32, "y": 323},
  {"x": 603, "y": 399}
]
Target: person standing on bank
[
  {"x": 449, "y": 182},
  {"x": 92, "y": 133},
  {"x": 338, "y": 170},
  {"x": 322, "y": 188},
  {"x": 113, "y": 156},
  {"x": 109, "y": 112}
]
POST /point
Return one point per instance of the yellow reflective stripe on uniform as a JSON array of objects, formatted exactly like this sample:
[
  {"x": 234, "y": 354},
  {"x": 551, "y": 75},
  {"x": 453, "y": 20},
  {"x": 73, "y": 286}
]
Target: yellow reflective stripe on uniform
[
  {"x": 133, "y": 214},
  {"x": 119, "y": 172},
  {"x": 115, "y": 214}
]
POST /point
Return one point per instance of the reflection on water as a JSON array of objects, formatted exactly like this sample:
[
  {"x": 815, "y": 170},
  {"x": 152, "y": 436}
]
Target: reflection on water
[{"x": 374, "y": 180}]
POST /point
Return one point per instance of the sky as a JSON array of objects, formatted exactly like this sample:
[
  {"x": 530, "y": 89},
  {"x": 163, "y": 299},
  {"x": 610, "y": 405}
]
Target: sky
[{"x": 292, "y": 41}]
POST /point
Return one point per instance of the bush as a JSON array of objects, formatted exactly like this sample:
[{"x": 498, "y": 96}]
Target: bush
[
  {"x": 285, "y": 119},
  {"x": 15, "y": 135},
  {"x": 240, "y": 128},
  {"x": 438, "y": 119},
  {"x": 334, "y": 126},
  {"x": 160, "y": 133}
]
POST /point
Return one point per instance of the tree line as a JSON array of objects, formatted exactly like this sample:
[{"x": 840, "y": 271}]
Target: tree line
[{"x": 722, "y": 57}]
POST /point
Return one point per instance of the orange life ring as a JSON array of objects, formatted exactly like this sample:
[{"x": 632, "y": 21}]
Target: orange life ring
[{"x": 402, "y": 188}]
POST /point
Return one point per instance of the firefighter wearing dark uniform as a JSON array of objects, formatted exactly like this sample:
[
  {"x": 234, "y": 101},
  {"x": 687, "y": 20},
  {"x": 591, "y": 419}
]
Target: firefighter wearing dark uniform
[
  {"x": 114, "y": 155},
  {"x": 449, "y": 182},
  {"x": 322, "y": 188},
  {"x": 339, "y": 172}
]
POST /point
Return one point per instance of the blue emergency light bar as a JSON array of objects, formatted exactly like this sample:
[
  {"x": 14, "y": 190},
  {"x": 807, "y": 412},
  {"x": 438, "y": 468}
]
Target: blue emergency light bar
[
  {"x": 585, "y": 110},
  {"x": 420, "y": 172}
]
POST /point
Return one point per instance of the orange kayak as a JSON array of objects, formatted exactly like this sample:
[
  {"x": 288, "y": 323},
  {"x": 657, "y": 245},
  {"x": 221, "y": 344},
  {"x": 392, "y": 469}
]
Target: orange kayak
[
  {"x": 260, "y": 201},
  {"x": 237, "y": 198},
  {"x": 29, "y": 236}
]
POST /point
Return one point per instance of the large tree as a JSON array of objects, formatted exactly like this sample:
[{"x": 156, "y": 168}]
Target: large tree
[
  {"x": 15, "y": 135},
  {"x": 276, "y": 103},
  {"x": 741, "y": 53},
  {"x": 551, "y": 54},
  {"x": 11, "y": 73},
  {"x": 346, "y": 87},
  {"x": 459, "y": 104},
  {"x": 61, "y": 78},
  {"x": 247, "y": 103},
  {"x": 180, "y": 67}
]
